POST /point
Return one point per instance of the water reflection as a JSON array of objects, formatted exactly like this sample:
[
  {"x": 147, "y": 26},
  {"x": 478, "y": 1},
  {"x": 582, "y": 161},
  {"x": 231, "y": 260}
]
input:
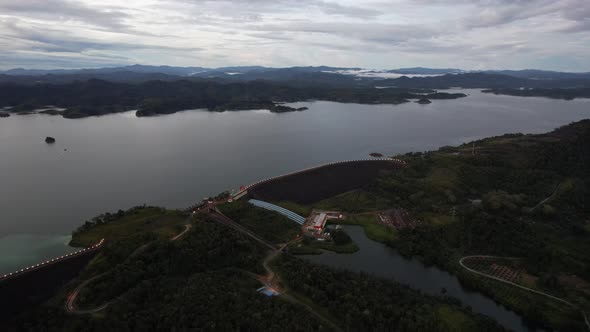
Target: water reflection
[
  {"x": 383, "y": 261},
  {"x": 118, "y": 161}
]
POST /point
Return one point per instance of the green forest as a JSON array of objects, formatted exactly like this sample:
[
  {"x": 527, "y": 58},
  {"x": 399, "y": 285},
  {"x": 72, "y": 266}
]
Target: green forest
[
  {"x": 514, "y": 195},
  {"x": 566, "y": 94},
  {"x": 96, "y": 97},
  {"x": 208, "y": 279}
]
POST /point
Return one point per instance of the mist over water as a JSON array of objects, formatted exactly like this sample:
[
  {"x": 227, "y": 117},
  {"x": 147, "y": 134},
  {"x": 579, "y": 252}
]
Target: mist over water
[
  {"x": 22, "y": 250},
  {"x": 118, "y": 161}
]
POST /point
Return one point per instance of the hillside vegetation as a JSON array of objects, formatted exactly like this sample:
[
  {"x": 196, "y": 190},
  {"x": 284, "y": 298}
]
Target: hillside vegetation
[
  {"x": 514, "y": 195},
  {"x": 96, "y": 97},
  {"x": 207, "y": 281},
  {"x": 123, "y": 224},
  {"x": 511, "y": 196}
]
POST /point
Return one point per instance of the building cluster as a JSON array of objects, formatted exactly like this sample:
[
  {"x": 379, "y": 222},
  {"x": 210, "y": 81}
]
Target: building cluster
[{"x": 316, "y": 222}]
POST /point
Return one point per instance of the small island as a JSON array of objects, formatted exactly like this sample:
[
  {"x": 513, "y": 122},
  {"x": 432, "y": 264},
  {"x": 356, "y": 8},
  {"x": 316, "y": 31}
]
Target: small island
[
  {"x": 256, "y": 104},
  {"x": 4, "y": 114},
  {"x": 554, "y": 93},
  {"x": 283, "y": 109},
  {"x": 155, "y": 108},
  {"x": 49, "y": 140},
  {"x": 424, "y": 101},
  {"x": 52, "y": 111},
  {"x": 97, "y": 97},
  {"x": 376, "y": 155}
]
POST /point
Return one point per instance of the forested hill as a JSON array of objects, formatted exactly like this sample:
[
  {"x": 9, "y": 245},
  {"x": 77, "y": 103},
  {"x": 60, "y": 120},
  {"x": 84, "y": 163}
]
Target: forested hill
[
  {"x": 97, "y": 97},
  {"x": 533, "y": 189},
  {"x": 208, "y": 280},
  {"x": 305, "y": 76},
  {"x": 563, "y": 150},
  {"x": 567, "y": 94},
  {"x": 514, "y": 195}
]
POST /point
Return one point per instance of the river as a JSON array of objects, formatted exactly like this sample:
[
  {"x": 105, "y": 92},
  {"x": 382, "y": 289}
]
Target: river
[
  {"x": 118, "y": 161},
  {"x": 382, "y": 261}
]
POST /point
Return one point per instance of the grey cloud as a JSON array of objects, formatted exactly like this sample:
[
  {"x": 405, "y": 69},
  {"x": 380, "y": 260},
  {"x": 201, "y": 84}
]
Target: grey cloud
[
  {"x": 281, "y": 30},
  {"x": 42, "y": 60},
  {"x": 353, "y": 11},
  {"x": 274, "y": 35},
  {"x": 60, "y": 10},
  {"x": 371, "y": 32},
  {"x": 493, "y": 13},
  {"x": 55, "y": 41},
  {"x": 577, "y": 12},
  {"x": 233, "y": 8}
]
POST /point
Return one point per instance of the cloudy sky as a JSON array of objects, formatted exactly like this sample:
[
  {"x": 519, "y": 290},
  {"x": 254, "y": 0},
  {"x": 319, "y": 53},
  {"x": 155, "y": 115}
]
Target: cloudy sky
[{"x": 469, "y": 34}]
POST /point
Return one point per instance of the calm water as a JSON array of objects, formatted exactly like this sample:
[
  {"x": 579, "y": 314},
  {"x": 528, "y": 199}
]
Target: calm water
[
  {"x": 382, "y": 261},
  {"x": 118, "y": 161}
]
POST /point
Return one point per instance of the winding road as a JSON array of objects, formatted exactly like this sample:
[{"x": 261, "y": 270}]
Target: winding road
[
  {"x": 271, "y": 279},
  {"x": 70, "y": 304},
  {"x": 73, "y": 296},
  {"x": 187, "y": 227}
]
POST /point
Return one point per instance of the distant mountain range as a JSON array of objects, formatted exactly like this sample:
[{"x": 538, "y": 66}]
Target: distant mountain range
[
  {"x": 169, "y": 70},
  {"x": 240, "y": 70},
  {"x": 417, "y": 77}
]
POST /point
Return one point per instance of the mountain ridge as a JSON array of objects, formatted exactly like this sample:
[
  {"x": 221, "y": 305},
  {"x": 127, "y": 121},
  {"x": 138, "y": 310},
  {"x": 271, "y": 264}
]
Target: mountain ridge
[{"x": 199, "y": 71}]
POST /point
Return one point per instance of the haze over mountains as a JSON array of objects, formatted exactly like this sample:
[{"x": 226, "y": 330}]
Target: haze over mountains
[
  {"x": 154, "y": 90},
  {"x": 417, "y": 77},
  {"x": 237, "y": 70}
]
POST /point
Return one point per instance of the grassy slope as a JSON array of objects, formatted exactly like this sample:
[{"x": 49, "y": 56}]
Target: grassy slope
[
  {"x": 454, "y": 320},
  {"x": 356, "y": 201},
  {"x": 163, "y": 223},
  {"x": 373, "y": 230},
  {"x": 269, "y": 224}
]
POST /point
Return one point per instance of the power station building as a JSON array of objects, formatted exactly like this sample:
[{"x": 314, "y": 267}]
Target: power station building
[{"x": 318, "y": 219}]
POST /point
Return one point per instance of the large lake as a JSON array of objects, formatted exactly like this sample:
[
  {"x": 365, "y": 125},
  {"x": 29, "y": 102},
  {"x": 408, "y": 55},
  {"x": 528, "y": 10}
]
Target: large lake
[{"x": 118, "y": 161}]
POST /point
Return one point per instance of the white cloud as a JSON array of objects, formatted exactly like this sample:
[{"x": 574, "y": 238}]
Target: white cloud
[{"x": 370, "y": 33}]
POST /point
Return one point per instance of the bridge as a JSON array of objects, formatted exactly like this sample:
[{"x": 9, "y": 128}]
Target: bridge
[
  {"x": 244, "y": 190},
  {"x": 37, "y": 283},
  {"x": 52, "y": 261},
  {"x": 289, "y": 214}
]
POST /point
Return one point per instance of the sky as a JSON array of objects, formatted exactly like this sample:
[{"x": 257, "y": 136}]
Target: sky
[{"x": 466, "y": 34}]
